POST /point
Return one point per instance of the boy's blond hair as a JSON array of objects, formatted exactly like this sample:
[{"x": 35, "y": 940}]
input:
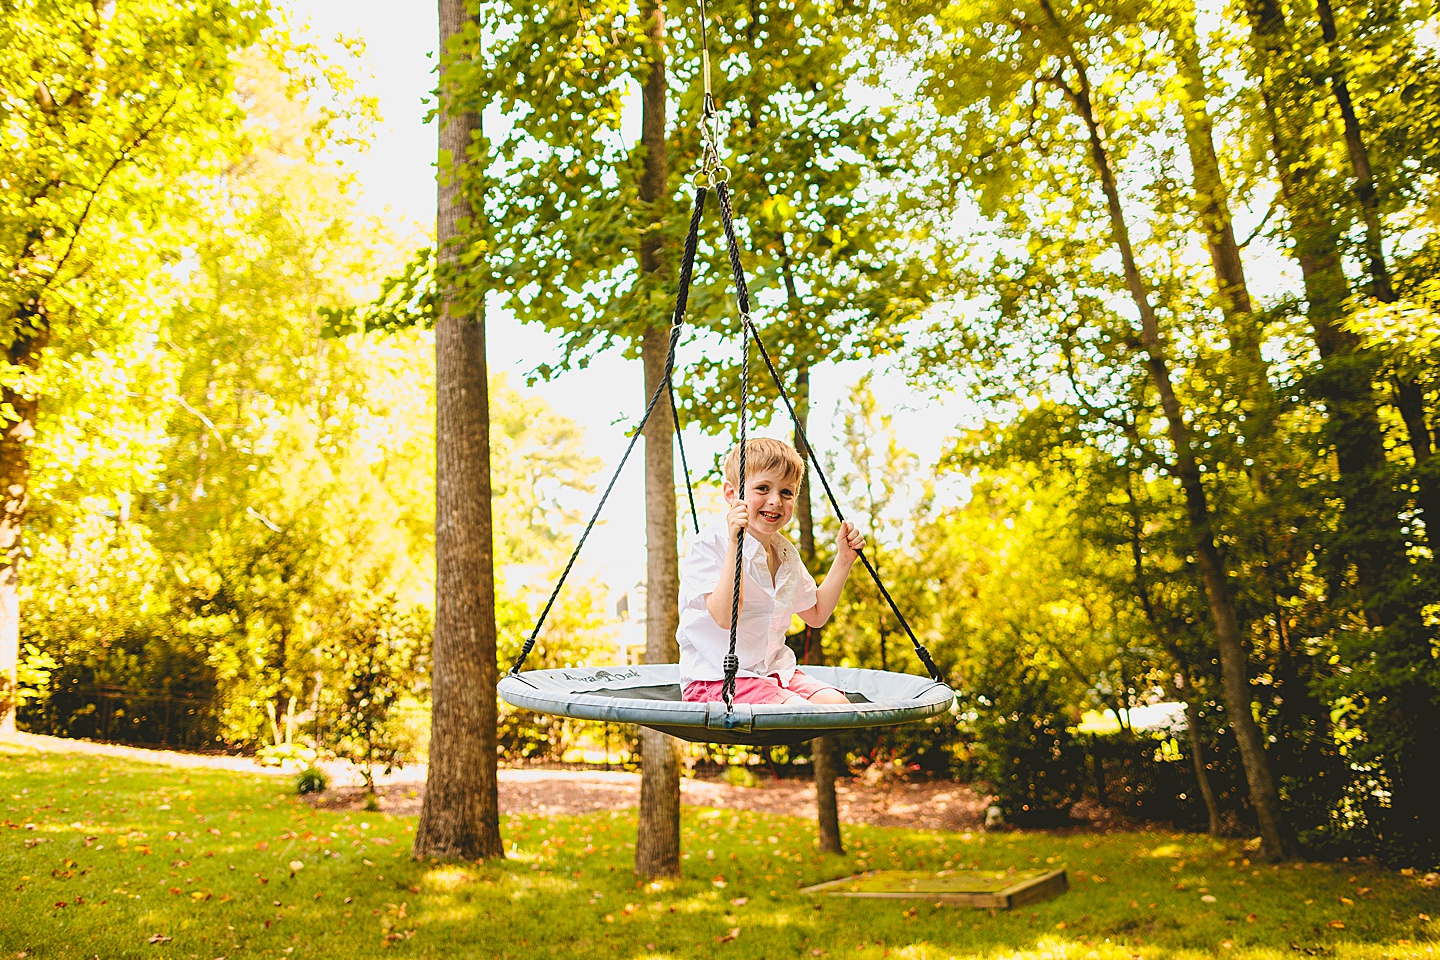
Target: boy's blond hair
[{"x": 763, "y": 454}]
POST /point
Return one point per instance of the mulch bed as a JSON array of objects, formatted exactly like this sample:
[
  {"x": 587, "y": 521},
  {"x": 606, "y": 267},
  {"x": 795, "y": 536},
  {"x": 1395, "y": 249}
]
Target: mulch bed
[{"x": 923, "y": 805}]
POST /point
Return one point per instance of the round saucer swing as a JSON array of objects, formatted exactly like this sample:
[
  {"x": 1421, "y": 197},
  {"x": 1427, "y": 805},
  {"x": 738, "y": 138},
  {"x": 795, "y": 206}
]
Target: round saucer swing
[{"x": 649, "y": 694}]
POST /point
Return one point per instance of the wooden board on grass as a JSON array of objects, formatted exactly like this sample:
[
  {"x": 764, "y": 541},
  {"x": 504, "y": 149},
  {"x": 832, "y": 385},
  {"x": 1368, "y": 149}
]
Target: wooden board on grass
[{"x": 996, "y": 889}]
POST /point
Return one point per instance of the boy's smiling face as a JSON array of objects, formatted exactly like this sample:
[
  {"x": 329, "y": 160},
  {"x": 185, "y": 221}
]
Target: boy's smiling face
[{"x": 770, "y": 495}]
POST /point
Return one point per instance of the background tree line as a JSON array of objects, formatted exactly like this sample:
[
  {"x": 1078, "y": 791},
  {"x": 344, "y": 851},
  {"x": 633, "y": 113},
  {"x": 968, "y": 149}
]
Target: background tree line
[
  {"x": 1182, "y": 259},
  {"x": 1228, "y": 483},
  {"x": 227, "y": 499}
]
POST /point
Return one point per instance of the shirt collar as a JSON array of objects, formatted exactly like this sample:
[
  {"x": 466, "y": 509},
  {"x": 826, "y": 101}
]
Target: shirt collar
[{"x": 753, "y": 546}]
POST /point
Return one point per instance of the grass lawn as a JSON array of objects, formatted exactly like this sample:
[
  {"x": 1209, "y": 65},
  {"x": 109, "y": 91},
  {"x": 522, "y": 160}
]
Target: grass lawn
[{"x": 107, "y": 858}]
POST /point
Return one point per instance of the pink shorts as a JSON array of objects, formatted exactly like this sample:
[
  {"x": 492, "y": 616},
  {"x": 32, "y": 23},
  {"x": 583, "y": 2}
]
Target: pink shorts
[{"x": 755, "y": 689}]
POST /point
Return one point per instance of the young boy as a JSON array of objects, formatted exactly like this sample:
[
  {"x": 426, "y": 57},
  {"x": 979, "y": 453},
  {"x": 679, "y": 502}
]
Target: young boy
[{"x": 775, "y": 585}]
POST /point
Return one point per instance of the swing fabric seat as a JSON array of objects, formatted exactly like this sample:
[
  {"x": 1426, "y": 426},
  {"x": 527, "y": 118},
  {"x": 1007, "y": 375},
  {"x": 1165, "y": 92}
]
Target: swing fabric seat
[{"x": 649, "y": 694}]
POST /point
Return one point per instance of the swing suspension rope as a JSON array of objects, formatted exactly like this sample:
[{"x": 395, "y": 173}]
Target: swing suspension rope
[{"x": 714, "y": 175}]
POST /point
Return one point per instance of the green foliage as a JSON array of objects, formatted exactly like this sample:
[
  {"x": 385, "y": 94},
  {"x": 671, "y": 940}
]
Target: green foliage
[
  {"x": 217, "y": 474},
  {"x": 1330, "y": 561},
  {"x": 377, "y": 653},
  {"x": 1026, "y": 754},
  {"x": 311, "y": 780},
  {"x": 740, "y": 775},
  {"x": 109, "y": 116},
  {"x": 407, "y": 300}
]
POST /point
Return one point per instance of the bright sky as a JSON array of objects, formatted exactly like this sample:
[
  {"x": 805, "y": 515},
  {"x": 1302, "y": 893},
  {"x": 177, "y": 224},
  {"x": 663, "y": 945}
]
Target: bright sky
[{"x": 397, "y": 177}]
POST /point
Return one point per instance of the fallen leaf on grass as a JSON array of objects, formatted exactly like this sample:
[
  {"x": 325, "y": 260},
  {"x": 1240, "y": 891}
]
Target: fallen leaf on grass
[
  {"x": 734, "y": 932},
  {"x": 160, "y": 938},
  {"x": 739, "y": 901},
  {"x": 1208, "y": 898},
  {"x": 1337, "y": 924}
]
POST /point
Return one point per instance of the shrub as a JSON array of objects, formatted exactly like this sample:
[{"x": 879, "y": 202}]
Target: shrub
[
  {"x": 1026, "y": 753},
  {"x": 378, "y": 654},
  {"x": 311, "y": 780},
  {"x": 740, "y": 776}
]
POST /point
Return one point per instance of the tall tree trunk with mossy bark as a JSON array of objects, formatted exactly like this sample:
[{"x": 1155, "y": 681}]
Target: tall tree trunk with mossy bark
[
  {"x": 657, "y": 842},
  {"x": 32, "y": 332},
  {"x": 460, "y": 818}
]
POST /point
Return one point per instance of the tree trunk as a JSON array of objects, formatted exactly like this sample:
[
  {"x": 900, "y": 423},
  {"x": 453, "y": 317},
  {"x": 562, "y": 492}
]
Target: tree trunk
[
  {"x": 1187, "y": 693},
  {"x": 1382, "y": 287},
  {"x": 1212, "y": 206},
  {"x": 823, "y": 751},
  {"x": 657, "y": 842},
  {"x": 1375, "y": 542},
  {"x": 1371, "y": 539},
  {"x": 460, "y": 817},
  {"x": 1410, "y": 397},
  {"x": 1184, "y": 688},
  {"x": 15, "y": 441},
  {"x": 1212, "y": 201},
  {"x": 1230, "y": 640}
]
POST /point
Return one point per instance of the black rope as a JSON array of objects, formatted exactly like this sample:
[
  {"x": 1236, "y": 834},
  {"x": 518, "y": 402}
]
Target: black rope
[
  {"x": 742, "y": 298},
  {"x": 687, "y": 265},
  {"x": 684, "y": 466},
  {"x": 920, "y": 650}
]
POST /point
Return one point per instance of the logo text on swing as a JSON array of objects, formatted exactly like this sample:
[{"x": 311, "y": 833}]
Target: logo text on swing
[{"x": 604, "y": 675}]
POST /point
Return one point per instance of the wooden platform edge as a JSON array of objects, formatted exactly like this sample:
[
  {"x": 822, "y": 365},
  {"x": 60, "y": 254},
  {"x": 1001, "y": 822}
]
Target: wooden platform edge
[
  {"x": 1043, "y": 887},
  {"x": 1033, "y": 890}
]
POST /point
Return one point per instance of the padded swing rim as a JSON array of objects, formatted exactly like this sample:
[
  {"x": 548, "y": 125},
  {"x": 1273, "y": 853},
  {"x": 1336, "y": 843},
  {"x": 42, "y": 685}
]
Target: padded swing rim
[{"x": 560, "y": 693}]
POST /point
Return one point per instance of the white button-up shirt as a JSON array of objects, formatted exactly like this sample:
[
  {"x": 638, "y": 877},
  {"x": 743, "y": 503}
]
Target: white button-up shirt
[{"x": 764, "y": 616}]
